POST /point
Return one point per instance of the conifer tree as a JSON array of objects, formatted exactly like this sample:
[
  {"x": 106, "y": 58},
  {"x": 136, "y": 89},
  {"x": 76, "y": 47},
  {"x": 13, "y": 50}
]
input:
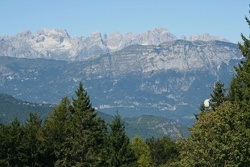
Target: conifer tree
[
  {"x": 163, "y": 150},
  {"x": 10, "y": 138},
  {"x": 84, "y": 146},
  {"x": 31, "y": 144},
  {"x": 55, "y": 132},
  {"x": 218, "y": 96},
  {"x": 240, "y": 85},
  {"x": 120, "y": 151},
  {"x": 239, "y": 92}
]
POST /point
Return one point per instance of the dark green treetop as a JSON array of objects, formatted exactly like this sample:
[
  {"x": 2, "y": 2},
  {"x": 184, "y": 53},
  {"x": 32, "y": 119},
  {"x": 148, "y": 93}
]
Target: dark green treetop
[
  {"x": 55, "y": 132},
  {"x": 120, "y": 151},
  {"x": 85, "y": 144},
  {"x": 10, "y": 139},
  {"x": 219, "y": 94},
  {"x": 163, "y": 150}
]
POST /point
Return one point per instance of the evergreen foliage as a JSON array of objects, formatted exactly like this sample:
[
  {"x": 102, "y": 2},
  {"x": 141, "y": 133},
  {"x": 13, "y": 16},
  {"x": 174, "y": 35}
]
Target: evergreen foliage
[
  {"x": 221, "y": 136},
  {"x": 142, "y": 152},
  {"x": 31, "y": 143},
  {"x": 84, "y": 144},
  {"x": 219, "y": 94},
  {"x": 217, "y": 98},
  {"x": 239, "y": 92},
  {"x": 74, "y": 135},
  {"x": 54, "y": 132},
  {"x": 217, "y": 140},
  {"x": 163, "y": 150},
  {"x": 10, "y": 139},
  {"x": 119, "y": 149}
]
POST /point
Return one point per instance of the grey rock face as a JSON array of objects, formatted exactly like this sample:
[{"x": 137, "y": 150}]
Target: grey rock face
[
  {"x": 206, "y": 37},
  {"x": 179, "y": 55},
  {"x": 59, "y": 45},
  {"x": 171, "y": 79}
]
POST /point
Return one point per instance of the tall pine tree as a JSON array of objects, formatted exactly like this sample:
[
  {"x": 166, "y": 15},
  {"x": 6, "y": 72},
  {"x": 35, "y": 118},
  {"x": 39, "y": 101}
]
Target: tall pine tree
[
  {"x": 10, "y": 138},
  {"x": 85, "y": 144},
  {"x": 218, "y": 96},
  {"x": 32, "y": 142},
  {"x": 55, "y": 132},
  {"x": 239, "y": 92},
  {"x": 120, "y": 151}
]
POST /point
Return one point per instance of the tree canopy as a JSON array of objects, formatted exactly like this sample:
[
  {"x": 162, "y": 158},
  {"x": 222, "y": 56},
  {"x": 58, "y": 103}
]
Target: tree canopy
[{"x": 220, "y": 137}]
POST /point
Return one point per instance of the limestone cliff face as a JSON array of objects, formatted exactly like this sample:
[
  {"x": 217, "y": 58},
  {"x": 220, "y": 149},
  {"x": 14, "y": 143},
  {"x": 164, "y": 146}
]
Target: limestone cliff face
[
  {"x": 59, "y": 45},
  {"x": 170, "y": 79},
  {"x": 178, "y": 55}
]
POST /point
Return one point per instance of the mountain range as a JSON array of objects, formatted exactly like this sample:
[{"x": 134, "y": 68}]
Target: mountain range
[
  {"x": 58, "y": 44},
  {"x": 153, "y": 73}
]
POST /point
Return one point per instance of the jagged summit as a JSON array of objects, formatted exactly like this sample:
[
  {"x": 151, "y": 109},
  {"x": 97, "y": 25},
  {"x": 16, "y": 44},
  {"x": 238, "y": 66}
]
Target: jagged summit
[
  {"x": 58, "y": 44},
  {"x": 206, "y": 37}
]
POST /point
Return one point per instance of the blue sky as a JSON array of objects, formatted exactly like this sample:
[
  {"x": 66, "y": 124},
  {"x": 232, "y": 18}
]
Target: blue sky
[{"x": 83, "y": 17}]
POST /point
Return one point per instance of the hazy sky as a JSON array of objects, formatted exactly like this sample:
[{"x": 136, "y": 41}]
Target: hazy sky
[{"x": 83, "y": 17}]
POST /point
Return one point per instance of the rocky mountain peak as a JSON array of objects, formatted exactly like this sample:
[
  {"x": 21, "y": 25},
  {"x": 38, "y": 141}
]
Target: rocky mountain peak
[
  {"x": 115, "y": 41},
  {"x": 158, "y": 31},
  {"x": 96, "y": 35},
  {"x": 206, "y": 37},
  {"x": 53, "y": 32},
  {"x": 156, "y": 36},
  {"x": 24, "y": 34},
  {"x": 128, "y": 34},
  {"x": 95, "y": 39},
  {"x": 57, "y": 44}
]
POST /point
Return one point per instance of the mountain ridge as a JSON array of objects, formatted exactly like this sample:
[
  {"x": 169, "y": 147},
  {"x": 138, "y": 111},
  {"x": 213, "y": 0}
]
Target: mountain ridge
[
  {"x": 58, "y": 44},
  {"x": 147, "y": 127},
  {"x": 170, "y": 79}
]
